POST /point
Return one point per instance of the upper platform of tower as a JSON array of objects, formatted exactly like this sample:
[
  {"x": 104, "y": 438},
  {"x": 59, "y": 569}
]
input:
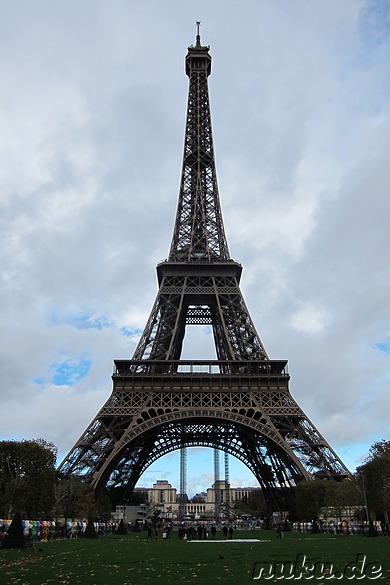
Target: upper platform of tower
[{"x": 198, "y": 57}]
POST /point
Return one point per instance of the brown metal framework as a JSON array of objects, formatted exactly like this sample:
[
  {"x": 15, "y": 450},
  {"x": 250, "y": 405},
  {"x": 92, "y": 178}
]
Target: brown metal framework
[{"x": 239, "y": 403}]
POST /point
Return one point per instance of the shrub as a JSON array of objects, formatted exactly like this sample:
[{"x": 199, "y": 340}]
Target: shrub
[{"x": 14, "y": 537}]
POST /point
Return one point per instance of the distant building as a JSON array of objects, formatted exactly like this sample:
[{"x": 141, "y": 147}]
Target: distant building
[
  {"x": 237, "y": 494},
  {"x": 163, "y": 498},
  {"x": 130, "y": 514},
  {"x": 201, "y": 497},
  {"x": 162, "y": 493}
]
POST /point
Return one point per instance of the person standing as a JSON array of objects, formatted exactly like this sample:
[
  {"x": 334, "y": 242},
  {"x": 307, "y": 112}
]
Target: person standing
[{"x": 279, "y": 532}]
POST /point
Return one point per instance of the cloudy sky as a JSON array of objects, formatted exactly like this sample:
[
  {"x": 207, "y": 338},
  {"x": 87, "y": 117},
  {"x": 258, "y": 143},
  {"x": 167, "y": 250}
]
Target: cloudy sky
[{"x": 92, "y": 112}]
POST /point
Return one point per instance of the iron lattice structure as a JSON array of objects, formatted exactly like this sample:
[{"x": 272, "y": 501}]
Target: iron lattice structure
[
  {"x": 183, "y": 482},
  {"x": 239, "y": 403},
  {"x": 217, "y": 487}
]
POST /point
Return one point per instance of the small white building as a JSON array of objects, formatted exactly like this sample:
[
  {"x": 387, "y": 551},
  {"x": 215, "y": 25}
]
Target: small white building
[{"x": 130, "y": 514}]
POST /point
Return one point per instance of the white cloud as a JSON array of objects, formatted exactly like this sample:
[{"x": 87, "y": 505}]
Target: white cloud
[{"x": 310, "y": 320}]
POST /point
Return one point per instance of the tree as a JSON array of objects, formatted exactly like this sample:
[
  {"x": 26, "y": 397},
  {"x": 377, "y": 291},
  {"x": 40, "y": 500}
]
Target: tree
[
  {"x": 75, "y": 498},
  {"x": 310, "y": 498},
  {"x": 375, "y": 474},
  {"x": 27, "y": 478},
  {"x": 344, "y": 496},
  {"x": 85, "y": 504},
  {"x": 90, "y": 531},
  {"x": 138, "y": 497},
  {"x": 254, "y": 505},
  {"x": 103, "y": 507},
  {"x": 65, "y": 495}
]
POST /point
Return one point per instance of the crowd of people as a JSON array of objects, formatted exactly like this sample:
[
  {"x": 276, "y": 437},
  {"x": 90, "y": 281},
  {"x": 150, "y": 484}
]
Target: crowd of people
[
  {"x": 42, "y": 530},
  {"x": 342, "y": 527},
  {"x": 188, "y": 531}
]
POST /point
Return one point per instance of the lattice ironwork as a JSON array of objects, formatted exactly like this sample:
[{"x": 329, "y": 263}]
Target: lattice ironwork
[
  {"x": 199, "y": 232},
  {"x": 239, "y": 403},
  {"x": 217, "y": 487},
  {"x": 227, "y": 488},
  {"x": 200, "y": 298},
  {"x": 183, "y": 482}
]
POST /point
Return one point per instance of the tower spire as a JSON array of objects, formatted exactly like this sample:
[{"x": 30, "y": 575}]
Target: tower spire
[
  {"x": 198, "y": 34},
  {"x": 199, "y": 233}
]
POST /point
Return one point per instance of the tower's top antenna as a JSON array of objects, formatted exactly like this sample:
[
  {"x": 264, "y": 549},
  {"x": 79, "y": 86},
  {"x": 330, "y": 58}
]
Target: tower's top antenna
[{"x": 198, "y": 33}]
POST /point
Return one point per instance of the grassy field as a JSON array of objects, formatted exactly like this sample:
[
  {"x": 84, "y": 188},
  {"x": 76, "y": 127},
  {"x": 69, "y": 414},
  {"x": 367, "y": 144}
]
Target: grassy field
[{"x": 133, "y": 560}]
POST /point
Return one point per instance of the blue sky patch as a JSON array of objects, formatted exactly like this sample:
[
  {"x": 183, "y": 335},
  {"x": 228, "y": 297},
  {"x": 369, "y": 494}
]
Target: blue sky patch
[
  {"x": 69, "y": 372},
  {"x": 130, "y": 332},
  {"x": 384, "y": 346},
  {"x": 374, "y": 21},
  {"x": 81, "y": 321}
]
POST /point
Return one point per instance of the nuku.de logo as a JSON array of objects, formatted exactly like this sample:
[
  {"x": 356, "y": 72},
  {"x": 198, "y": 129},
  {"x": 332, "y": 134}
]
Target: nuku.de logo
[{"x": 301, "y": 569}]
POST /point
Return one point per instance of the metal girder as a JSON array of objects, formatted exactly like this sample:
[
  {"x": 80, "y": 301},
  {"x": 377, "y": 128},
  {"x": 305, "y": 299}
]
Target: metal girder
[{"x": 221, "y": 300}]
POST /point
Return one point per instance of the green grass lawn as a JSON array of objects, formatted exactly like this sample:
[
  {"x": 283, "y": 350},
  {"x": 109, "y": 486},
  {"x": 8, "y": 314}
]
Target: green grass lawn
[{"x": 133, "y": 560}]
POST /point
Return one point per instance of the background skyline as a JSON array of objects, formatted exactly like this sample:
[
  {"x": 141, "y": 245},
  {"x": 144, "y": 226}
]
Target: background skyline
[{"x": 92, "y": 116}]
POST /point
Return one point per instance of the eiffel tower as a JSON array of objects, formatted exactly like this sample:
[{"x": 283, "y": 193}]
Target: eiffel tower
[{"x": 239, "y": 403}]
